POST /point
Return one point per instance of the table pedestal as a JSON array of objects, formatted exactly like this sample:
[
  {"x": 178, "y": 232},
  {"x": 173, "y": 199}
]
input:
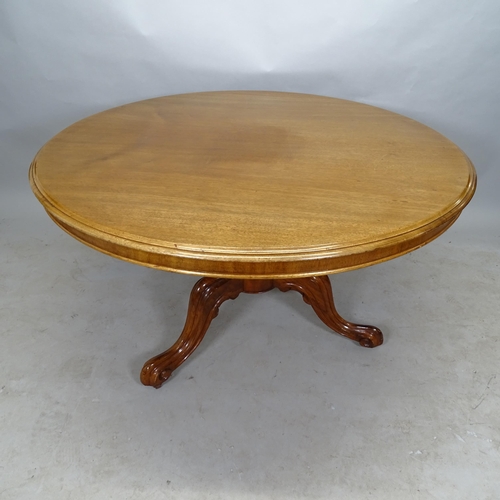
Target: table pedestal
[{"x": 209, "y": 293}]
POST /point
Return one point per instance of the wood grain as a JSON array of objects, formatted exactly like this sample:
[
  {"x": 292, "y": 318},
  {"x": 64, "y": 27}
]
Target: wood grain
[
  {"x": 252, "y": 184},
  {"x": 207, "y": 296},
  {"x": 317, "y": 292}
]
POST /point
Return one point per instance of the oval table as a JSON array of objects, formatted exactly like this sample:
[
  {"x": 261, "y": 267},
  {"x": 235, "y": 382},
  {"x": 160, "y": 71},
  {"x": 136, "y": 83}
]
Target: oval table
[{"x": 252, "y": 190}]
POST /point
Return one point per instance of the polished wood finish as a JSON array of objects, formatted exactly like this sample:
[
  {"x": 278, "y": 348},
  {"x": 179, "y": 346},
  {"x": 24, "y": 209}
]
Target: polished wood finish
[
  {"x": 206, "y": 297},
  {"x": 209, "y": 293},
  {"x": 317, "y": 292},
  {"x": 254, "y": 191},
  {"x": 252, "y": 184}
]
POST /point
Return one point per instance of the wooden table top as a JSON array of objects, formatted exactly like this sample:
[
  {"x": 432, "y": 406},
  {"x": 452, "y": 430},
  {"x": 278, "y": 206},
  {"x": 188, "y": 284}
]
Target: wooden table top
[{"x": 252, "y": 184}]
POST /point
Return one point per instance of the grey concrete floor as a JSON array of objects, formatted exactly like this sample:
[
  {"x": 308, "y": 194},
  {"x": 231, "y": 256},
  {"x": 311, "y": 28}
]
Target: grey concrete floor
[{"x": 272, "y": 405}]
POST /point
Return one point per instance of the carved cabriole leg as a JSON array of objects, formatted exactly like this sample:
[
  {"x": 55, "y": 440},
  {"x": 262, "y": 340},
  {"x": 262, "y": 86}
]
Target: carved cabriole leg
[
  {"x": 317, "y": 292},
  {"x": 206, "y": 297},
  {"x": 209, "y": 293}
]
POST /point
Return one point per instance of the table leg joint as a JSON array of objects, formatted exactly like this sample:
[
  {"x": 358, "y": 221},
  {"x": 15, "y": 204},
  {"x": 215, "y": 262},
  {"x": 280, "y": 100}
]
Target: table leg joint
[{"x": 209, "y": 293}]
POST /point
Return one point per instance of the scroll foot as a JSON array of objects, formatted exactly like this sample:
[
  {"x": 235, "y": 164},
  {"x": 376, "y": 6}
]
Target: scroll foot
[
  {"x": 317, "y": 292},
  {"x": 206, "y": 297},
  {"x": 209, "y": 293}
]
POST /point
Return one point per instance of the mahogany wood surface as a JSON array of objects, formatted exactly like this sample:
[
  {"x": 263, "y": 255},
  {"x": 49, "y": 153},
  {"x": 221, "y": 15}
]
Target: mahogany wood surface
[
  {"x": 254, "y": 191},
  {"x": 252, "y": 184},
  {"x": 206, "y": 297},
  {"x": 209, "y": 293}
]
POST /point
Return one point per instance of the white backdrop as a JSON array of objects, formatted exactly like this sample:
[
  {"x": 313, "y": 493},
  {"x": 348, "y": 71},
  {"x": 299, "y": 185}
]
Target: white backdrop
[
  {"x": 436, "y": 61},
  {"x": 416, "y": 418}
]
